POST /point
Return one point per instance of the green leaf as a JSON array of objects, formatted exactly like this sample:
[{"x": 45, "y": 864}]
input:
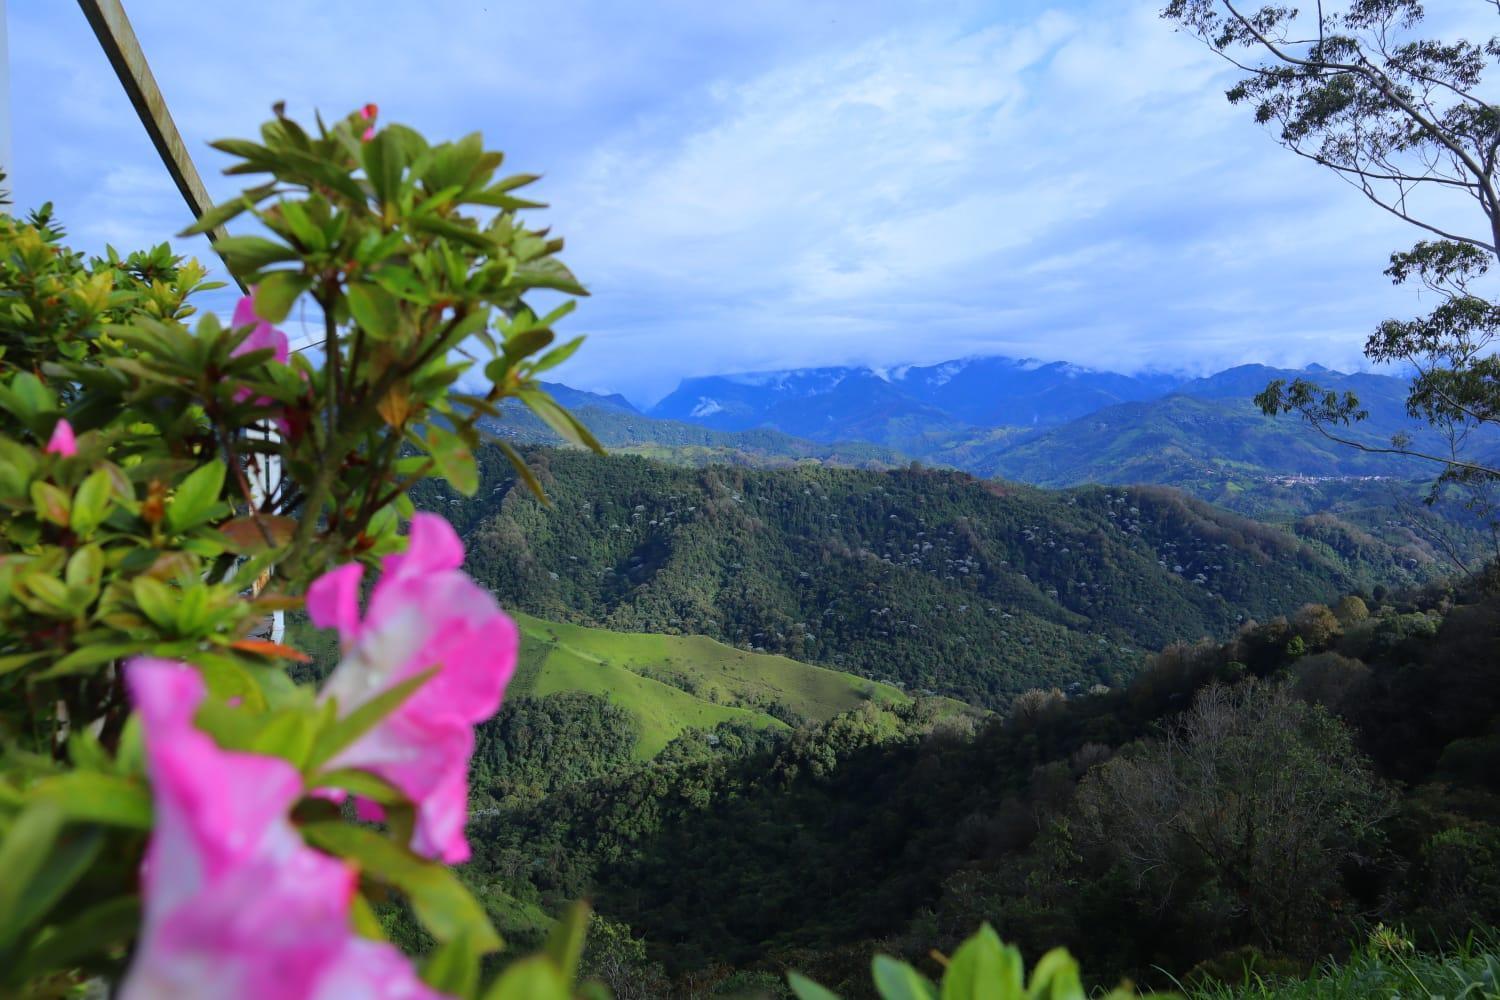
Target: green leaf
[
  {"x": 96, "y": 929},
  {"x": 277, "y": 292},
  {"x": 532, "y": 978},
  {"x": 217, "y": 216},
  {"x": 288, "y": 734},
  {"x": 23, "y": 855},
  {"x": 157, "y": 600},
  {"x": 16, "y": 661},
  {"x": 454, "y": 459},
  {"x": 51, "y": 503},
  {"x": 364, "y": 718},
  {"x": 518, "y": 462},
  {"x": 383, "y": 159},
  {"x": 72, "y": 855},
  {"x": 86, "y": 569},
  {"x": 360, "y": 783},
  {"x": 557, "y": 355},
  {"x": 1056, "y": 977},
  {"x": 566, "y": 940},
  {"x": 984, "y": 969},
  {"x": 375, "y": 310},
  {"x": 248, "y": 254},
  {"x": 805, "y": 989},
  {"x": 559, "y": 419},
  {"x": 28, "y": 398},
  {"x": 898, "y": 981},
  {"x": 84, "y": 660},
  {"x": 197, "y": 497},
  {"x": 91, "y": 502},
  {"x": 453, "y": 968},
  {"x": 437, "y": 897},
  {"x": 527, "y": 342}
]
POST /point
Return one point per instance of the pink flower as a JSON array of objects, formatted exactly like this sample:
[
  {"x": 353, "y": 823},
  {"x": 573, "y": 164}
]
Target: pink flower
[
  {"x": 236, "y": 905},
  {"x": 423, "y": 613},
  {"x": 368, "y": 134},
  {"x": 264, "y": 336},
  {"x": 62, "y": 441},
  {"x": 368, "y": 112}
]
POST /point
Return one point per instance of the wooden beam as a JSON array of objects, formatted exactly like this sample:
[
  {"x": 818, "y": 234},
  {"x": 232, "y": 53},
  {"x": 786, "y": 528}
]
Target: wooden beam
[{"x": 112, "y": 28}]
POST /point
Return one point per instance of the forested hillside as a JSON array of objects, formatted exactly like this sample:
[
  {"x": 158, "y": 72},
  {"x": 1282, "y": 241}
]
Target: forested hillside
[
  {"x": 1259, "y": 801},
  {"x": 928, "y": 579}
]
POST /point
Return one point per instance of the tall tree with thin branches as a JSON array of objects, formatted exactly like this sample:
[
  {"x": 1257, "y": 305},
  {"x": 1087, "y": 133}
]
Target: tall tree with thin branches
[{"x": 1361, "y": 88}]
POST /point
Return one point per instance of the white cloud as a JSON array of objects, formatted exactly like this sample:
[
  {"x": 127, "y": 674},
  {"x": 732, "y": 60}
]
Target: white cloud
[{"x": 792, "y": 182}]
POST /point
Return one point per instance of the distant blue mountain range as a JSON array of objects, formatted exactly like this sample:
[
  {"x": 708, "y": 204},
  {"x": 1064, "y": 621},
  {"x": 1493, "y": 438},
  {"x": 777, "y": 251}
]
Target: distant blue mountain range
[
  {"x": 1052, "y": 424},
  {"x": 898, "y": 406}
]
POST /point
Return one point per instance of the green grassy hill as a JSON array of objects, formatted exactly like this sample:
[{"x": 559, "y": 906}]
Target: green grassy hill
[{"x": 673, "y": 683}]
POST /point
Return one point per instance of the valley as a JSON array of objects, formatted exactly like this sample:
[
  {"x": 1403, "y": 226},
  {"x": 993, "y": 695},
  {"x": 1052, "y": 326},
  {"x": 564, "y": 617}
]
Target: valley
[{"x": 828, "y": 644}]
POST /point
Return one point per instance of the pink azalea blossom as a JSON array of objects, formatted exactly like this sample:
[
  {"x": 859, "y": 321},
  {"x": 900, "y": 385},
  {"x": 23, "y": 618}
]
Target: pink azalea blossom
[
  {"x": 423, "y": 613},
  {"x": 62, "y": 441},
  {"x": 236, "y": 905},
  {"x": 263, "y": 336}
]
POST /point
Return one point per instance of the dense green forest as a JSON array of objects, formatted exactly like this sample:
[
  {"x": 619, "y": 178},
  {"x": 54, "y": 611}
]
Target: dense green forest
[
  {"x": 927, "y": 579},
  {"x": 1219, "y": 450},
  {"x": 1265, "y": 799},
  {"x": 1321, "y": 763}
]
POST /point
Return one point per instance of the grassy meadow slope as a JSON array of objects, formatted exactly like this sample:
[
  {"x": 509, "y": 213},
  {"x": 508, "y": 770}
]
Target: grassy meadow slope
[{"x": 673, "y": 683}]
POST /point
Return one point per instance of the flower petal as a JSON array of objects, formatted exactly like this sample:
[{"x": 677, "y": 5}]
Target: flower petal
[
  {"x": 237, "y": 907},
  {"x": 62, "y": 441},
  {"x": 425, "y": 613},
  {"x": 333, "y": 600}
]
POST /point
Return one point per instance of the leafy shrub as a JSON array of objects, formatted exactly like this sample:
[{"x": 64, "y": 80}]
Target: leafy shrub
[{"x": 147, "y": 534}]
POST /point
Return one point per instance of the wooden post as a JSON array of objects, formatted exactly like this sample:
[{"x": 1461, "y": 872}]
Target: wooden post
[{"x": 117, "y": 38}]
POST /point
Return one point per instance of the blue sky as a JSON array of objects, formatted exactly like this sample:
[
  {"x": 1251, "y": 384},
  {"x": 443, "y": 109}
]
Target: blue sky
[{"x": 782, "y": 183}]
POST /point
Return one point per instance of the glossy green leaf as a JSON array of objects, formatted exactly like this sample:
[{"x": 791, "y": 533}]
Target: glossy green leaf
[
  {"x": 23, "y": 855},
  {"x": 91, "y": 502},
  {"x": 532, "y": 978},
  {"x": 384, "y": 160},
  {"x": 453, "y": 967},
  {"x": 454, "y": 459},
  {"x": 1056, "y": 977},
  {"x": 557, "y": 355},
  {"x": 157, "y": 600},
  {"x": 559, "y": 419},
  {"x": 70, "y": 857},
  {"x": 197, "y": 497},
  {"x": 217, "y": 216},
  {"x": 364, "y": 718},
  {"x": 437, "y": 897},
  {"x": 898, "y": 981},
  {"x": 277, "y": 292},
  {"x": 100, "y": 927},
  {"x": 566, "y": 940},
  {"x": 248, "y": 254},
  {"x": 51, "y": 503},
  {"x": 376, "y": 310},
  {"x": 984, "y": 969}
]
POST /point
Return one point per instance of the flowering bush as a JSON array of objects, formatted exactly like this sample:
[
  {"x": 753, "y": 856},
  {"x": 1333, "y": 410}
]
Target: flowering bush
[{"x": 172, "y": 805}]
